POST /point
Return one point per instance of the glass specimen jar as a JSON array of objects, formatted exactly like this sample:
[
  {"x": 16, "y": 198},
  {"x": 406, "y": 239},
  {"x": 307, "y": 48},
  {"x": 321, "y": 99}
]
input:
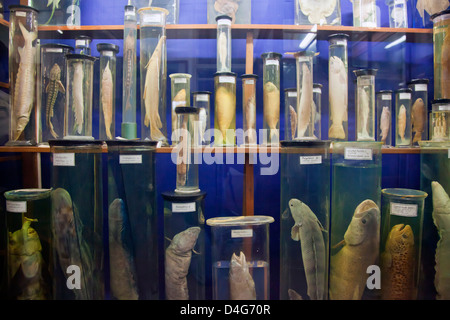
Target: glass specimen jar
[
  {"x": 184, "y": 245},
  {"x": 129, "y": 96},
  {"x": 224, "y": 109},
  {"x": 153, "y": 73},
  {"x": 403, "y": 117},
  {"x": 79, "y": 91},
  {"x": 249, "y": 108},
  {"x": 384, "y": 117},
  {"x": 30, "y": 244},
  {"x": 365, "y": 105},
  {"x": 23, "y": 32},
  {"x": 240, "y": 257},
  {"x": 271, "y": 97},
  {"x": 441, "y": 47},
  {"x": 364, "y": 13},
  {"x": 304, "y": 219},
  {"x": 338, "y": 87},
  {"x": 290, "y": 114},
  {"x": 317, "y": 110},
  {"x": 324, "y": 13},
  {"x": 440, "y": 120},
  {"x": 107, "y": 94},
  {"x": 53, "y": 89},
  {"x": 83, "y": 45},
  {"x": 352, "y": 209},
  {"x": 132, "y": 220},
  {"x": 423, "y": 11},
  {"x": 401, "y": 242},
  {"x": 77, "y": 224},
  {"x": 172, "y": 6},
  {"x": 419, "y": 110},
  {"x": 398, "y": 13},
  {"x": 57, "y": 13},
  {"x": 239, "y": 11},
  {"x": 188, "y": 137},
  {"x": 202, "y": 100},
  {"x": 223, "y": 43},
  {"x": 180, "y": 96}
]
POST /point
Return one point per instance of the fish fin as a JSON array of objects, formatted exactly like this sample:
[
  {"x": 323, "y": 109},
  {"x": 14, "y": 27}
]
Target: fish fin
[
  {"x": 61, "y": 87},
  {"x": 168, "y": 239},
  {"x": 336, "y": 131},
  {"x": 339, "y": 244},
  {"x": 47, "y": 87},
  {"x": 195, "y": 252},
  {"x": 320, "y": 226},
  {"x": 295, "y": 232}
]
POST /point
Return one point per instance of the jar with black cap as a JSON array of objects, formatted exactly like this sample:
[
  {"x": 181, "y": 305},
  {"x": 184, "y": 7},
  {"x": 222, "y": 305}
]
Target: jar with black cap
[
  {"x": 271, "y": 98},
  {"x": 249, "y": 108},
  {"x": 441, "y": 47},
  {"x": 440, "y": 120},
  {"x": 365, "y": 104},
  {"x": 223, "y": 43},
  {"x": 419, "y": 110},
  {"x": 83, "y": 44},
  {"x": 403, "y": 117},
  {"x": 202, "y": 100},
  {"x": 384, "y": 117},
  {"x": 225, "y": 109}
]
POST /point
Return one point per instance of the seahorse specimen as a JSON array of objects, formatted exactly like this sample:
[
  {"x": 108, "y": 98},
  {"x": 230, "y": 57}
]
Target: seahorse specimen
[
  {"x": 53, "y": 88},
  {"x": 107, "y": 99}
]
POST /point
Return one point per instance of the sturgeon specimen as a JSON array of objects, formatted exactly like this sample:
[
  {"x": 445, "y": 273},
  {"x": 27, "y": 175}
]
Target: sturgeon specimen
[
  {"x": 272, "y": 109},
  {"x": 308, "y": 230},
  {"x": 338, "y": 80},
  {"x": 123, "y": 274},
  {"x": 293, "y": 117},
  {"x": 107, "y": 99},
  {"x": 177, "y": 261},
  {"x": 385, "y": 123},
  {"x": 441, "y": 218},
  {"x": 225, "y": 102},
  {"x": 78, "y": 96},
  {"x": 306, "y": 100},
  {"x": 25, "y": 84},
  {"x": 53, "y": 88},
  {"x": 242, "y": 286},
  {"x": 418, "y": 119},
  {"x": 402, "y": 123},
  {"x": 360, "y": 248}
]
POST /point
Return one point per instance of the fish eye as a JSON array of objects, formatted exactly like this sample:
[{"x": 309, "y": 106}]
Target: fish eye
[
  {"x": 363, "y": 221},
  {"x": 404, "y": 236}
]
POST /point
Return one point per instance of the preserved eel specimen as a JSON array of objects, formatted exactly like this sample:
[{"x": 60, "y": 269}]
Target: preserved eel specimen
[
  {"x": 53, "y": 88},
  {"x": 242, "y": 286},
  {"x": 250, "y": 118},
  {"x": 107, "y": 99},
  {"x": 78, "y": 96}
]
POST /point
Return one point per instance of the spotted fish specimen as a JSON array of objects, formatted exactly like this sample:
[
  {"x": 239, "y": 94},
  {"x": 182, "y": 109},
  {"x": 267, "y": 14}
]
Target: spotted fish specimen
[
  {"x": 385, "y": 123},
  {"x": 272, "y": 110},
  {"x": 242, "y": 286},
  {"x": 177, "y": 261},
  {"x": 418, "y": 115},
  {"x": 397, "y": 264},
  {"x": 107, "y": 99},
  {"x": 401, "y": 122},
  {"x": 78, "y": 96},
  {"x": 305, "y": 103},
  {"x": 308, "y": 230},
  {"x": 441, "y": 218},
  {"x": 53, "y": 88},
  {"x": 338, "y": 80}
]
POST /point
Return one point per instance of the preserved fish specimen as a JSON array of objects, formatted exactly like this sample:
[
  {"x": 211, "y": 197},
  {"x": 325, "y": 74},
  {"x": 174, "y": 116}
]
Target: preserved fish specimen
[
  {"x": 338, "y": 98},
  {"x": 242, "y": 286},
  {"x": 226, "y": 109},
  {"x": 228, "y": 7},
  {"x": 445, "y": 64},
  {"x": 107, "y": 96},
  {"x": 418, "y": 119},
  {"x": 402, "y": 123},
  {"x": 431, "y": 6},
  {"x": 363, "y": 114},
  {"x": 293, "y": 121},
  {"x": 385, "y": 123},
  {"x": 53, "y": 88},
  {"x": 78, "y": 96},
  {"x": 272, "y": 109},
  {"x": 306, "y": 102},
  {"x": 317, "y": 10}
]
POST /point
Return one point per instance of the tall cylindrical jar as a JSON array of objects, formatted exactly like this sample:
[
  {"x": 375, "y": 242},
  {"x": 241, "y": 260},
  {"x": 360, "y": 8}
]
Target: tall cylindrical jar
[
  {"x": 129, "y": 95},
  {"x": 365, "y": 104},
  {"x": 441, "y": 48},
  {"x": 153, "y": 70},
  {"x": 132, "y": 220},
  {"x": 419, "y": 110},
  {"x": 304, "y": 219},
  {"x": 83, "y": 45},
  {"x": 223, "y": 43},
  {"x": 224, "y": 109},
  {"x": 306, "y": 12},
  {"x": 338, "y": 87},
  {"x": 180, "y": 97},
  {"x": 23, "y": 59},
  {"x": 184, "y": 246},
  {"x": 271, "y": 97},
  {"x": 398, "y": 13},
  {"x": 240, "y": 257},
  {"x": 355, "y": 218},
  {"x": 403, "y": 117},
  {"x": 317, "y": 110},
  {"x": 30, "y": 244},
  {"x": 77, "y": 219},
  {"x": 421, "y": 14},
  {"x": 79, "y": 91},
  {"x": 384, "y": 117},
  {"x": 202, "y": 100},
  {"x": 440, "y": 120},
  {"x": 365, "y": 13},
  {"x": 290, "y": 113},
  {"x": 53, "y": 91},
  {"x": 401, "y": 242},
  {"x": 107, "y": 127},
  {"x": 249, "y": 108}
]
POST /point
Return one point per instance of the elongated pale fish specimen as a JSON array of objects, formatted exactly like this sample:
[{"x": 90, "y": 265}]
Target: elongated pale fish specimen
[
  {"x": 25, "y": 82},
  {"x": 151, "y": 93},
  {"x": 54, "y": 86},
  {"x": 130, "y": 60},
  {"x": 202, "y": 117},
  {"x": 445, "y": 65},
  {"x": 363, "y": 114},
  {"x": 226, "y": 109},
  {"x": 182, "y": 163},
  {"x": 293, "y": 117},
  {"x": 178, "y": 259},
  {"x": 123, "y": 273},
  {"x": 317, "y": 10},
  {"x": 250, "y": 114},
  {"x": 385, "y": 123},
  {"x": 431, "y": 7},
  {"x": 360, "y": 249},
  {"x": 272, "y": 109},
  {"x": 402, "y": 123},
  {"x": 222, "y": 50},
  {"x": 242, "y": 286},
  {"x": 418, "y": 119},
  {"x": 397, "y": 264},
  {"x": 178, "y": 101},
  {"x": 228, "y": 7},
  {"x": 78, "y": 96},
  {"x": 107, "y": 99},
  {"x": 308, "y": 230},
  {"x": 441, "y": 218},
  {"x": 338, "y": 80},
  {"x": 306, "y": 99}
]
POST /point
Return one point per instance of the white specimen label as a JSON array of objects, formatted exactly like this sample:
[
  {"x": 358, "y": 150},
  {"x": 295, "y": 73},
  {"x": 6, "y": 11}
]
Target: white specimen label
[
  {"x": 16, "y": 206},
  {"x": 202, "y": 97},
  {"x": 404, "y": 96},
  {"x": 250, "y": 81},
  {"x": 421, "y": 87},
  {"x": 153, "y": 18},
  {"x": 386, "y": 97},
  {"x": 310, "y": 159},
  {"x": 224, "y": 22},
  {"x": 242, "y": 233},
  {"x": 341, "y": 43},
  {"x": 178, "y": 104},
  {"x": 358, "y": 154},
  {"x": 317, "y": 90},
  {"x": 292, "y": 94},
  {"x": 183, "y": 207},
  {"x": 444, "y": 108},
  {"x": 21, "y": 14},
  {"x": 399, "y": 1},
  {"x": 364, "y": 81},
  {"x": 54, "y": 50},
  {"x": 108, "y": 53},
  {"x": 369, "y": 24},
  {"x": 130, "y": 159},
  {"x": 225, "y": 79},
  {"x": 64, "y": 159},
  {"x": 272, "y": 62},
  {"x": 80, "y": 43},
  {"x": 404, "y": 209},
  {"x": 180, "y": 80}
]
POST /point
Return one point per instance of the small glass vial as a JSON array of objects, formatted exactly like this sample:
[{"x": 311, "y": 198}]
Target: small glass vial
[
  {"x": 223, "y": 43},
  {"x": 441, "y": 47},
  {"x": 78, "y": 113},
  {"x": 181, "y": 96},
  {"x": 364, "y": 13},
  {"x": 317, "y": 110},
  {"x": 83, "y": 45},
  {"x": 225, "y": 109},
  {"x": 398, "y": 13},
  {"x": 202, "y": 100},
  {"x": 403, "y": 117},
  {"x": 240, "y": 257},
  {"x": 440, "y": 120},
  {"x": 384, "y": 117},
  {"x": 365, "y": 106},
  {"x": 271, "y": 98},
  {"x": 249, "y": 108},
  {"x": 419, "y": 110},
  {"x": 107, "y": 94},
  {"x": 290, "y": 115}
]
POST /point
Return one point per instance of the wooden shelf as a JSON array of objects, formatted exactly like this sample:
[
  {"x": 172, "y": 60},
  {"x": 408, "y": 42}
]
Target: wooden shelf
[
  {"x": 5, "y": 23},
  {"x": 4, "y": 85}
]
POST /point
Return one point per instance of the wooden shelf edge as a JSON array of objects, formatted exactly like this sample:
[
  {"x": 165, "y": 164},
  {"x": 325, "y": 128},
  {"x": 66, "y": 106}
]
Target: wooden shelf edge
[
  {"x": 5, "y": 23},
  {"x": 4, "y": 85}
]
